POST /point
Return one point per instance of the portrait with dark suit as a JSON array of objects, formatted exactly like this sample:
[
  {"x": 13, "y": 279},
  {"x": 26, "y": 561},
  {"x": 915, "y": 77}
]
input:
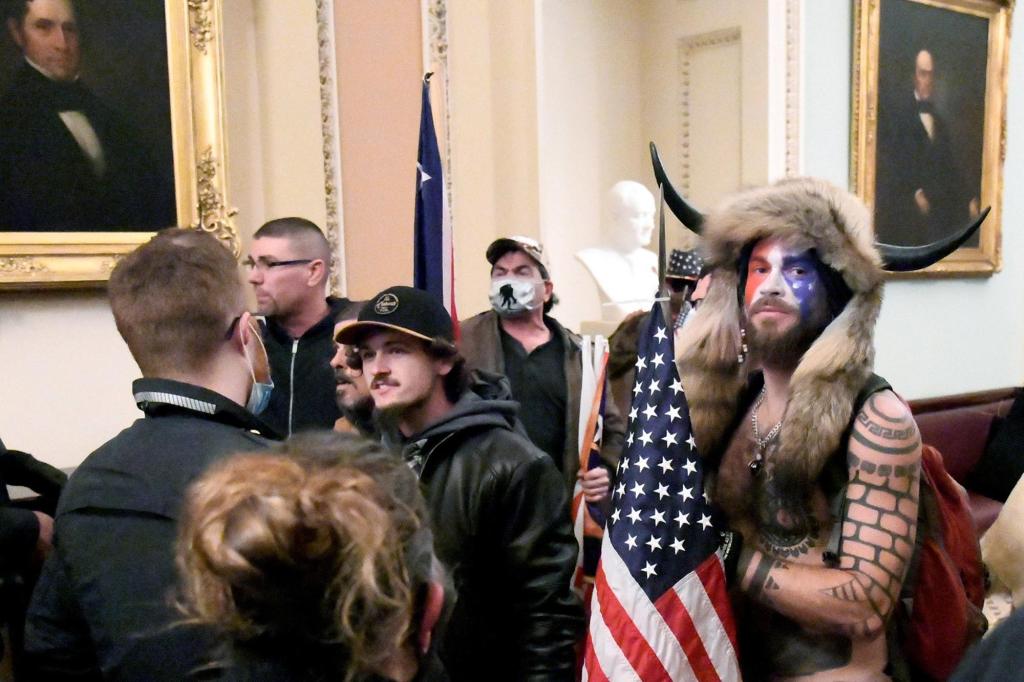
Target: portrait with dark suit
[
  {"x": 931, "y": 116},
  {"x": 85, "y": 130}
]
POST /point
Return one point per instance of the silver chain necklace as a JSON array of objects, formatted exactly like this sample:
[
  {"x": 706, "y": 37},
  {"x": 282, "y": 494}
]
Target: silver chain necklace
[{"x": 761, "y": 444}]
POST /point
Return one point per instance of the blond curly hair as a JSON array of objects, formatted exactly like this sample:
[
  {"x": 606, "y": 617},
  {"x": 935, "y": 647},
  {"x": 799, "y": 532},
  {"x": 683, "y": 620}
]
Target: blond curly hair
[{"x": 314, "y": 552}]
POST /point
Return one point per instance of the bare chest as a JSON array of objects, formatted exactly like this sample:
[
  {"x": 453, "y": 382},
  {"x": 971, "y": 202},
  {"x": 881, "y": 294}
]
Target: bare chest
[{"x": 793, "y": 529}]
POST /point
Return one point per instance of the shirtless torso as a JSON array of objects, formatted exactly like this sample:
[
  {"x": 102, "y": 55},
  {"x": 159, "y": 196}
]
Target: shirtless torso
[{"x": 799, "y": 617}]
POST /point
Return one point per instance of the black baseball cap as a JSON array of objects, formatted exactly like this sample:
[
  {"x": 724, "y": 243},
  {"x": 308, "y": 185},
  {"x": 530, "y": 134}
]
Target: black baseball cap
[{"x": 403, "y": 309}]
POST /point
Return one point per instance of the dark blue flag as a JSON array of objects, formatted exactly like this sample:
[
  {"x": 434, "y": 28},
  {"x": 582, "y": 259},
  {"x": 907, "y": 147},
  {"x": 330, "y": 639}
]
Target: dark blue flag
[{"x": 432, "y": 252}]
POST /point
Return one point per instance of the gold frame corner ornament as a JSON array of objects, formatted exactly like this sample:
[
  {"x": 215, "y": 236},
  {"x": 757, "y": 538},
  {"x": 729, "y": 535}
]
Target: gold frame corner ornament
[
  {"x": 986, "y": 258},
  {"x": 30, "y": 260}
]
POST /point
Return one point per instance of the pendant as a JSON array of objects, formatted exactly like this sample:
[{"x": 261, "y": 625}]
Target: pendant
[{"x": 755, "y": 465}]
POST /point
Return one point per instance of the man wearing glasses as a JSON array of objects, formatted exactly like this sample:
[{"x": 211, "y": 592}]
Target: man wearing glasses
[{"x": 288, "y": 263}]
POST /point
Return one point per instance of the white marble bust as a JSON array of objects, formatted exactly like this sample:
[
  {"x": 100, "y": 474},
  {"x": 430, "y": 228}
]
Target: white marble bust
[{"x": 625, "y": 272}]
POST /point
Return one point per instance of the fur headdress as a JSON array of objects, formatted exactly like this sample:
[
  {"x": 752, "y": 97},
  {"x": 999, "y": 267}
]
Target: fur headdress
[{"x": 834, "y": 368}]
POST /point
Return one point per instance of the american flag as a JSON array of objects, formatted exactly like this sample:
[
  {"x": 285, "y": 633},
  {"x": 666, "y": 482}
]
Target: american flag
[
  {"x": 660, "y": 609},
  {"x": 433, "y": 265}
]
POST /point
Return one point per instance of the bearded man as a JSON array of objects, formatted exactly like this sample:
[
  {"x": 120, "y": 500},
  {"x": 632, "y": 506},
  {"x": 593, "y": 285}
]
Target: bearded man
[{"x": 816, "y": 460}]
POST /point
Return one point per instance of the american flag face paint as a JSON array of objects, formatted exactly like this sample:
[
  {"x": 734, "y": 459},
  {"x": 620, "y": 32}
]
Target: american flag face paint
[{"x": 780, "y": 274}]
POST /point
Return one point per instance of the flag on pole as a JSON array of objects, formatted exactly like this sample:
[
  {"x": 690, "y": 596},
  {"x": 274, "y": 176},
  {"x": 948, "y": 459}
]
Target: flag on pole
[
  {"x": 433, "y": 265},
  {"x": 588, "y": 520},
  {"x": 660, "y": 610}
]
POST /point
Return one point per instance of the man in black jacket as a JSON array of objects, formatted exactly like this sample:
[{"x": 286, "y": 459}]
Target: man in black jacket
[
  {"x": 494, "y": 497},
  {"x": 289, "y": 263},
  {"x": 102, "y": 605}
]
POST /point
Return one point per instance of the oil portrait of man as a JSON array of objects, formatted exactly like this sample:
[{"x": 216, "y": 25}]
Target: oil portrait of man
[
  {"x": 85, "y": 139},
  {"x": 931, "y": 102}
]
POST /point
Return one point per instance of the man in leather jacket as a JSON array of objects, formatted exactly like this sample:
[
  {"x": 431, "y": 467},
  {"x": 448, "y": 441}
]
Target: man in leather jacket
[{"x": 499, "y": 509}]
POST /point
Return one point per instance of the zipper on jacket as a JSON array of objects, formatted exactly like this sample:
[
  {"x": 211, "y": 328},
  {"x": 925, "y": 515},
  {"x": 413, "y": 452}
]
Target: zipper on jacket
[
  {"x": 291, "y": 385},
  {"x": 426, "y": 457}
]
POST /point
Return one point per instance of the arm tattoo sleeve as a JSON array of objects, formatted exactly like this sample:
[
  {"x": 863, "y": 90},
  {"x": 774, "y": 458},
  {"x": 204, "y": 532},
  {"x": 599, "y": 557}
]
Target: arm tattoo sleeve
[{"x": 881, "y": 512}]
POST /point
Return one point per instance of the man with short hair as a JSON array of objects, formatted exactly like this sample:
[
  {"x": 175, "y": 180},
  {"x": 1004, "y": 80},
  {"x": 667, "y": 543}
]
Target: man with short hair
[
  {"x": 499, "y": 509},
  {"x": 542, "y": 360},
  {"x": 67, "y": 160},
  {"x": 289, "y": 267},
  {"x": 102, "y": 605}
]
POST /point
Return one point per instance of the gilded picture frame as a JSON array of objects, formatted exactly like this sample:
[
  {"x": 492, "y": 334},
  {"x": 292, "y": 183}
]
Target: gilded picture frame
[
  {"x": 928, "y": 133},
  {"x": 84, "y": 259}
]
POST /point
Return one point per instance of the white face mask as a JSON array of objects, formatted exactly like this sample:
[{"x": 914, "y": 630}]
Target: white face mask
[{"x": 513, "y": 296}]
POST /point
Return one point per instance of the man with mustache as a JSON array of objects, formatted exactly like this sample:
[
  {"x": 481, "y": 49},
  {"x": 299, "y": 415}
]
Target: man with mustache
[
  {"x": 352, "y": 391},
  {"x": 494, "y": 497},
  {"x": 817, "y": 462}
]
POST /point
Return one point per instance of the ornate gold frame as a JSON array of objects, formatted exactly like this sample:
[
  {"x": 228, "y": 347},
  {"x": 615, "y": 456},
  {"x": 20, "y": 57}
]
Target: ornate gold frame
[
  {"x": 987, "y": 257},
  {"x": 85, "y": 259}
]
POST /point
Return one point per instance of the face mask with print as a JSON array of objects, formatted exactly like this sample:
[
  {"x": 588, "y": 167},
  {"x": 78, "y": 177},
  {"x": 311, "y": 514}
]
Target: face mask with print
[
  {"x": 512, "y": 296},
  {"x": 259, "y": 394}
]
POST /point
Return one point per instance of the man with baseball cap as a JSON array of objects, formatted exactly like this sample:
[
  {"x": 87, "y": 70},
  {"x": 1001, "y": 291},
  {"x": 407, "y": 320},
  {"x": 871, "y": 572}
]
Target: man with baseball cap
[
  {"x": 489, "y": 489},
  {"x": 541, "y": 358}
]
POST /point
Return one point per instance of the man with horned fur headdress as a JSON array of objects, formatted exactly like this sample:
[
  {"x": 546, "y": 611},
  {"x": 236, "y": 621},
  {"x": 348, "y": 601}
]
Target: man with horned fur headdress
[{"x": 798, "y": 281}]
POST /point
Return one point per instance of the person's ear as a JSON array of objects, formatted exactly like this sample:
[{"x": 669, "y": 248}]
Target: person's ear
[
  {"x": 243, "y": 333},
  {"x": 549, "y": 290},
  {"x": 432, "y": 607},
  {"x": 317, "y": 272},
  {"x": 444, "y": 366}
]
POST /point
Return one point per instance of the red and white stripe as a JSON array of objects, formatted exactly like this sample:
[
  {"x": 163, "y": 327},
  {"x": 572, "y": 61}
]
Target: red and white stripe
[{"x": 687, "y": 634}]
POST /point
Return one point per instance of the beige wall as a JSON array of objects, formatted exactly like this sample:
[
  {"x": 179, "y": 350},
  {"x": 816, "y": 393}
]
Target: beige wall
[
  {"x": 379, "y": 72},
  {"x": 493, "y": 97},
  {"x": 591, "y": 134},
  {"x": 272, "y": 102},
  {"x": 66, "y": 374}
]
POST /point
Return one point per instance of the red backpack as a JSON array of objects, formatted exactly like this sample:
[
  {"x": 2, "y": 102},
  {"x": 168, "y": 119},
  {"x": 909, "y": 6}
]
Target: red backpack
[{"x": 939, "y": 612}]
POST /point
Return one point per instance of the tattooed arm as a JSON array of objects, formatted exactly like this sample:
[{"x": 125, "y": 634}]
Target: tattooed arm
[{"x": 878, "y": 529}]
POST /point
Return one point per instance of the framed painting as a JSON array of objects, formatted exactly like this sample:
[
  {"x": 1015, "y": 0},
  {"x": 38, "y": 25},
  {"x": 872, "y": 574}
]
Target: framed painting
[
  {"x": 928, "y": 133},
  {"x": 111, "y": 127}
]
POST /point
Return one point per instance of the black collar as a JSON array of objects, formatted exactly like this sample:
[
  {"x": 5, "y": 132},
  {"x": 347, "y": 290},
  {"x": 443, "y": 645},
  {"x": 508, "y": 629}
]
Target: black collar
[
  {"x": 51, "y": 94},
  {"x": 158, "y": 397}
]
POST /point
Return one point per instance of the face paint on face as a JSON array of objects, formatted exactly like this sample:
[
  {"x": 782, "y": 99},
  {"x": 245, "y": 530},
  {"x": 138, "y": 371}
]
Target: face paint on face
[{"x": 784, "y": 275}]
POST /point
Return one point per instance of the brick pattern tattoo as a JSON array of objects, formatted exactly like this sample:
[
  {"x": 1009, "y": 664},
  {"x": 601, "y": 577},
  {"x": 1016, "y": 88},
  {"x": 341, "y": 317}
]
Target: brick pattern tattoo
[
  {"x": 881, "y": 517},
  {"x": 877, "y": 525}
]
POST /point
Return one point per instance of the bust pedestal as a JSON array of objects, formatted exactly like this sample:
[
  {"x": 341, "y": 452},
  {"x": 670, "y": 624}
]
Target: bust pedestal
[{"x": 625, "y": 281}]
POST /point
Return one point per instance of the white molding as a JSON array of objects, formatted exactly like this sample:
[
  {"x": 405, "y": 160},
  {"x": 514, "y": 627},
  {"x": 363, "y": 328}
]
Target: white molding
[
  {"x": 794, "y": 89},
  {"x": 331, "y": 133}
]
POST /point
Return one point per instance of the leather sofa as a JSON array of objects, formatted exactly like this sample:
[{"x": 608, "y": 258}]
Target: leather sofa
[{"x": 960, "y": 427}]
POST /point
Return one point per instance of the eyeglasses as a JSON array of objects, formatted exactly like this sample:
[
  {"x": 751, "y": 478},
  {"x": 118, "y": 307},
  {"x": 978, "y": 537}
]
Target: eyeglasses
[{"x": 263, "y": 264}]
